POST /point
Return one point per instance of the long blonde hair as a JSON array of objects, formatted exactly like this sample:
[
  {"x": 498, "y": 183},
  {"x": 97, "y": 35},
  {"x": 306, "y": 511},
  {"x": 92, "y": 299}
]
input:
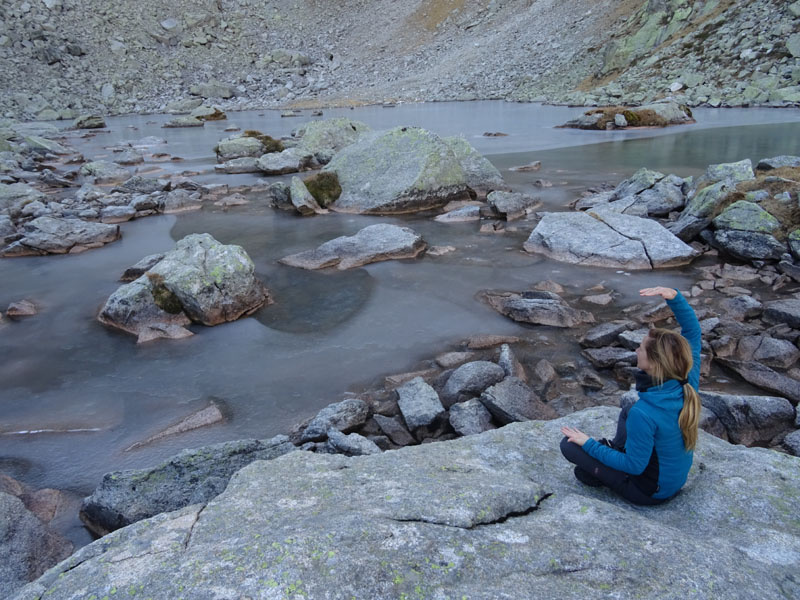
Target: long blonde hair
[{"x": 670, "y": 357}]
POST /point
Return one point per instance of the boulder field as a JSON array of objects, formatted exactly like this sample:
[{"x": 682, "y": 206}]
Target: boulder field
[{"x": 494, "y": 515}]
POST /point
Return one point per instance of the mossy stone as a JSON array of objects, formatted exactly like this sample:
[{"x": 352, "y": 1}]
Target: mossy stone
[
  {"x": 270, "y": 144},
  {"x": 324, "y": 187}
]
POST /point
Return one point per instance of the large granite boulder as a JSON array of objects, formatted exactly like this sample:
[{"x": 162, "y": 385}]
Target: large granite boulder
[
  {"x": 494, "y": 515},
  {"x": 199, "y": 280},
  {"x": 748, "y": 245},
  {"x": 482, "y": 176},
  {"x": 191, "y": 477},
  {"x": 372, "y": 244},
  {"x": 537, "y": 308},
  {"x": 607, "y": 239},
  {"x": 401, "y": 170},
  {"x": 51, "y": 235},
  {"x": 731, "y": 172},
  {"x": 330, "y": 135},
  {"x": 27, "y": 546}
]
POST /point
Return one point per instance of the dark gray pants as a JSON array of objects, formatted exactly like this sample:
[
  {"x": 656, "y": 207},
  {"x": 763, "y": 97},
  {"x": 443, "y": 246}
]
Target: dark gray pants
[{"x": 592, "y": 472}]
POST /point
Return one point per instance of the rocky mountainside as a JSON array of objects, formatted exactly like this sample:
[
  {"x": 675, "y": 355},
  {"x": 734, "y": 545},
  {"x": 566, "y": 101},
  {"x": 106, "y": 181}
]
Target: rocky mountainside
[
  {"x": 62, "y": 57},
  {"x": 495, "y": 515}
]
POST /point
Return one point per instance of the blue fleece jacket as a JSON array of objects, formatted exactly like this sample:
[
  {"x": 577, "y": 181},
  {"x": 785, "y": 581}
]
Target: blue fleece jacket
[{"x": 653, "y": 420}]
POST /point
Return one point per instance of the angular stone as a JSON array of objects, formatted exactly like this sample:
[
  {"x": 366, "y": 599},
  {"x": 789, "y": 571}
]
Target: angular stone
[
  {"x": 748, "y": 245},
  {"x": 395, "y": 430},
  {"x": 49, "y": 235},
  {"x": 89, "y": 122},
  {"x": 783, "y": 311},
  {"x": 21, "y": 308},
  {"x": 344, "y": 416},
  {"x": 776, "y": 162},
  {"x": 238, "y": 147},
  {"x": 372, "y": 244},
  {"x": 103, "y": 171},
  {"x": 604, "y": 334},
  {"x": 511, "y": 400},
  {"x": 750, "y": 420},
  {"x": 765, "y": 378},
  {"x": 698, "y": 212},
  {"x": 302, "y": 199},
  {"x": 469, "y": 380},
  {"x": 470, "y": 417},
  {"x": 481, "y": 175},
  {"x": 538, "y": 308},
  {"x": 604, "y": 358},
  {"x": 746, "y": 216},
  {"x": 511, "y": 206},
  {"x": 772, "y": 352},
  {"x": 508, "y": 361},
  {"x": 291, "y": 160},
  {"x": 419, "y": 403},
  {"x": 741, "y": 308},
  {"x": 351, "y": 445}
]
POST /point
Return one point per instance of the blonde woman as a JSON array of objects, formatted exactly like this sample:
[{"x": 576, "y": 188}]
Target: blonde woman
[{"x": 648, "y": 460}]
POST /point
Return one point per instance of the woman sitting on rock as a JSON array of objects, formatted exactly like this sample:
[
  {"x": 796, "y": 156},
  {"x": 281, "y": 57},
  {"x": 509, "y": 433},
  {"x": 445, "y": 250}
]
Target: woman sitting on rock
[{"x": 648, "y": 460}]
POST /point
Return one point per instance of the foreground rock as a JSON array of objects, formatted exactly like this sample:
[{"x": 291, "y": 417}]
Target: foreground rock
[
  {"x": 200, "y": 280},
  {"x": 28, "y": 546},
  {"x": 402, "y": 170},
  {"x": 191, "y": 477},
  {"x": 608, "y": 239},
  {"x": 371, "y": 244},
  {"x": 50, "y": 235},
  {"x": 488, "y": 516}
]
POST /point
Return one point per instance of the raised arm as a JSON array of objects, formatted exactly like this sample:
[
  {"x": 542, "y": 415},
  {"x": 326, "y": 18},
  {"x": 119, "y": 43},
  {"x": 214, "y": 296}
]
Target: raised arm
[{"x": 687, "y": 319}]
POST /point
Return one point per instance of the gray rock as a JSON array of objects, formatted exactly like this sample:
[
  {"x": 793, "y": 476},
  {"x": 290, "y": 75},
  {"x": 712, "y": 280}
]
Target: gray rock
[
  {"x": 672, "y": 112},
  {"x": 176, "y": 201},
  {"x": 117, "y": 214},
  {"x": 604, "y": 334},
  {"x": 185, "y": 106},
  {"x": 511, "y": 366},
  {"x": 103, "y": 171},
  {"x": 239, "y": 165},
  {"x": 776, "y": 162},
  {"x": 351, "y": 445},
  {"x": 470, "y": 417},
  {"x": 193, "y": 476},
  {"x": 42, "y": 145},
  {"x": 278, "y": 196},
  {"x": 502, "y": 502},
  {"x": 779, "y": 354},
  {"x": 238, "y": 147},
  {"x": 15, "y": 196},
  {"x": 604, "y": 358},
  {"x": 29, "y": 547},
  {"x": 730, "y": 172},
  {"x": 665, "y": 196},
  {"x": 510, "y": 205},
  {"x": 419, "y": 403},
  {"x": 330, "y": 135},
  {"x": 187, "y": 121},
  {"x": 792, "y": 443},
  {"x": 511, "y": 400},
  {"x": 746, "y": 216},
  {"x": 538, "y": 308},
  {"x": 620, "y": 121},
  {"x": 142, "y": 185},
  {"x": 470, "y": 380},
  {"x": 212, "y": 89},
  {"x": 740, "y": 308},
  {"x": 50, "y": 235},
  {"x": 461, "y": 215},
  {"x": 632, "y": 339},
  {"x": 765, "y": 378},
  {"x": 395, "y": 430},
  {"x": 372, "y": 244},
  {"x": 140, "y": 268},
  {"x": 344, "y": 416},
  {"x": 8, "y": 233},
  {"x": 291, "y": 160},
  {"x": 783, "y": 311},
  {"x": 481, "y": 175},
  {"x": 302, "y": 199},
  {"x": 750, "y": 420},
  {"x": 699, "y": 211},
  {"x": 643, "y": 179},
  {"x": 607, "y": 240},
  {"x": 747, "y": 245},
  {"x": 21, "y": 308},
  {"x": 401, "y": 170}
]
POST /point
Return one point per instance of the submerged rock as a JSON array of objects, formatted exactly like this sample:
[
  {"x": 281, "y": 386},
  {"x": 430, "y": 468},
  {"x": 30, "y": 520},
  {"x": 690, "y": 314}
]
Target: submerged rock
[
  {"x": 493, "y": 515},
  {"x": 191, "y": 477},
  {"x": 50, "y": 235},
  {"x": 402, "y": 170},
  {"x": 372, "y": 244}
]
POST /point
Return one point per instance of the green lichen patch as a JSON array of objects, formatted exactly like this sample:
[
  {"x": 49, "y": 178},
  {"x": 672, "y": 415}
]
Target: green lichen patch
[
  {"x": 324, "y": 187},
  {"x": 164, "y": 298}
]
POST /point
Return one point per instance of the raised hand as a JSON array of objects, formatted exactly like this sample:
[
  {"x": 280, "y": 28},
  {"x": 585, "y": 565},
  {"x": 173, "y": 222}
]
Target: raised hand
[{"x": 664, "y": 292}]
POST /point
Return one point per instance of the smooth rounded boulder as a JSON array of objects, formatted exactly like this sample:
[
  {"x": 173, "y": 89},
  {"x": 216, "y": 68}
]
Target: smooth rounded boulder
[{"x": 402, "y": 170}]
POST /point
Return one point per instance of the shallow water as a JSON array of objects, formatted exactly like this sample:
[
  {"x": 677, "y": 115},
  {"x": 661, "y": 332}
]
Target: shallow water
[{"x": 74, "y": 394}]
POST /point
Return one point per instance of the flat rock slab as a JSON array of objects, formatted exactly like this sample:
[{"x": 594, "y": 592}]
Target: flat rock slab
[
  {"x": 608, "y": 239},
  {"x": 537, "y": 308},
  {"x": 342, "y": 416},
  {"x": 765, "y": 378},
  {"x": 51, "y": 235},
  {"x": 750, "y": 420},
  {"x": 372, "y": 244},
  {"x": 495, "y": 515}
]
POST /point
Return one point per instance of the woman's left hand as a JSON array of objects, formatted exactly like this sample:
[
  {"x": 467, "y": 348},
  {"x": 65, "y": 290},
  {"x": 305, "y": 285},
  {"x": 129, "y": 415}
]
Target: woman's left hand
[{"x": 575, "y": 435}]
